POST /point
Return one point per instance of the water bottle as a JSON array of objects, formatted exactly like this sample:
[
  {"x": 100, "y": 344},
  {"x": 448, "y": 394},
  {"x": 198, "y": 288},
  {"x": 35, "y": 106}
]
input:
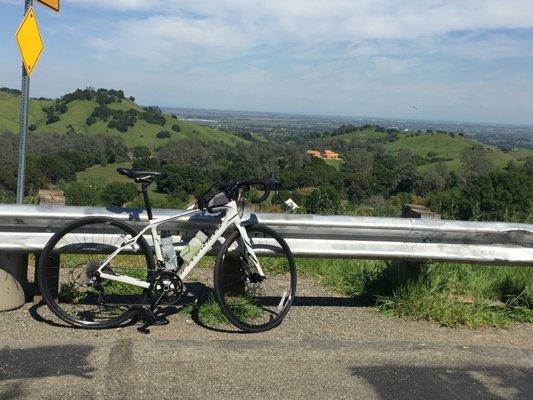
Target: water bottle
[
  {"x": 193, "y": 247},
  {"x": 168, "y": 252}
]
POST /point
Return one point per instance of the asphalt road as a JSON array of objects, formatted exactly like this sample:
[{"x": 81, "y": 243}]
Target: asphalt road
[
  {"x": 328, "y": 347},
  {"x": 263, "y": 369}
]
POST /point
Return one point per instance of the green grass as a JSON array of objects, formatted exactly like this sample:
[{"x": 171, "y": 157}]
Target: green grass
[
  {"x": 142, "y": 134},
  {"x": 449, "y": 294},
  {"x": 334, "y": 163},
  {"x": 444, "y": 147},
  {"x": 447, "y": 148},
  {"x": 209, "y": 313},
  {"x": 104, "y": 174}
]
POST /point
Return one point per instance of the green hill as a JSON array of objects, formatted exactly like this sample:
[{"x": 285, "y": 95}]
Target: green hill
[
  {"x": 442, "y": 147},
  {"x": 364, "y": 134},
  {"x": 75, "y": 118},
  {"x": 432, "y": 148}
]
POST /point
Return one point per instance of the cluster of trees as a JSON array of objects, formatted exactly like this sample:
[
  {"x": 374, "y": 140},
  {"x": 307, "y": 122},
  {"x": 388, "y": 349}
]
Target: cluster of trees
[
  {"x": 54, "y": 159},
  {"x": 506, "y": 141},
  {"x": 486, "y": 193},
  {"x": 122, "y": 120},
  {"x": 102, "y": 96},
  {"x": 349, "y": 128},
  {"x": 163, "y": 134},
  {"x": 52, "y": 112},
  {"x": 94, "y": 193},
  {"x": 14, "y": 92}
]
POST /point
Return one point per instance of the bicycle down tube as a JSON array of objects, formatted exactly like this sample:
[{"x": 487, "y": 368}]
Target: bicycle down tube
[{"x": 230, "y": 218}]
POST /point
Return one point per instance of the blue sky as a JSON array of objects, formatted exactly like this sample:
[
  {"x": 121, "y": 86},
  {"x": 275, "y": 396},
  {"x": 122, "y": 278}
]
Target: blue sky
[{"x": 468, "y": 60}]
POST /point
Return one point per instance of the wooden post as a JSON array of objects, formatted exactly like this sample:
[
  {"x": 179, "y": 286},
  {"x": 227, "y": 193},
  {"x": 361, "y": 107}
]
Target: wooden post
[
  {"x": 51, "y": 198},
  {"x": 418, "y": 211}
]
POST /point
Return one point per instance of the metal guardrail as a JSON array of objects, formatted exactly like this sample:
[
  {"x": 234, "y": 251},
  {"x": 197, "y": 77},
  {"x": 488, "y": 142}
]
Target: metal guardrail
[{"x": 27, "y": 228}]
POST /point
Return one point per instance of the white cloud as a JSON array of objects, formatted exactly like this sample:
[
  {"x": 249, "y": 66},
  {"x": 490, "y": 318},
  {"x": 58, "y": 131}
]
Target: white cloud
[
  {"x": 120, "y": 5},
  {"x": 228, "y": 27},
  {"x": 363, "y": 57}
]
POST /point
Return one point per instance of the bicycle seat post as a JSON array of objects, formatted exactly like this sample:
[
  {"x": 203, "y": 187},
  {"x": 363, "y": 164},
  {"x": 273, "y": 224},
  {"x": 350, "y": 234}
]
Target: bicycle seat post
[{"x": 144, "y": 189}]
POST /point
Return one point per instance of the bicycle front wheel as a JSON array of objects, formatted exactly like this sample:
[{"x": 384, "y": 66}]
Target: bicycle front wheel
[
  {"x": 251, "y": 302},
  {"x": 68, "y": 276}
]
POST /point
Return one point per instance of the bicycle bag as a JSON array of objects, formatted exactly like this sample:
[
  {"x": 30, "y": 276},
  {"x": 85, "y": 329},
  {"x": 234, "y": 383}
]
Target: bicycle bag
[{"x": 212, "y": 199}]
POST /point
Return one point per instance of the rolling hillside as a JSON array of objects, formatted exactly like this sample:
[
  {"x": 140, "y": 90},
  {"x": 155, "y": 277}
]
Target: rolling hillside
[
  {"x": 142, "y": 133},
  {"x": 433, "y": 148}
]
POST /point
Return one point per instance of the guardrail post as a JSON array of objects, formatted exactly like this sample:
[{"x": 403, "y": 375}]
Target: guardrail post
[
  {"x": 13, "y": 281},
  {"x": 416, "y": 211}
]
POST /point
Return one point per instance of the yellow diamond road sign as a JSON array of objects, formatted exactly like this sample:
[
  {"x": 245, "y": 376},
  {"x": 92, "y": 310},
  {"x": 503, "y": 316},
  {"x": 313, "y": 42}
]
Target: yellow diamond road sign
[
  {"x": 53, "y": 4},
  {"x": 29, "y": 40}
]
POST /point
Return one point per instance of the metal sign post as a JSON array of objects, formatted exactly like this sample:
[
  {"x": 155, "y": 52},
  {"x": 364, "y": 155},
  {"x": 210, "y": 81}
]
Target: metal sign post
[
  {"x": 22, "y": 134},
  {"x": 31, "y": 46},
  {"x": 25, "y": 95}
]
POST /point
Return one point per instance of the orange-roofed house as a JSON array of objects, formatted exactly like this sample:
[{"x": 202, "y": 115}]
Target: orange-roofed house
[
  {"x": 331, "y": 155},
  {"x": 314, "y": 153}
]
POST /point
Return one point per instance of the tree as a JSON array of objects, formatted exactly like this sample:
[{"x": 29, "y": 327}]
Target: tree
[
  {"x": 52, "y": 118},
  {"x": 141, "y": 152},
  {"x": 117, "y": 193},
  {"x": 476, "y": 161},
  {"x": 163, "y": 134},
  {"x": 496, "y": 196},
  {"x": 176, "y": 128},
  {"x": 181, "y": 178},
  {"x": 82, "y": 194},
  {"x": 61, "y": 108},
  {"x": 324, "y": 200},
  {"x": 435, "y": 178},
  {"x": 528, "y": 166}
]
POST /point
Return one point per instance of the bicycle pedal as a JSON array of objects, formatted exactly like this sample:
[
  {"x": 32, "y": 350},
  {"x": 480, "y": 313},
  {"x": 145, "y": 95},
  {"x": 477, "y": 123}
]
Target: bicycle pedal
[
  {"x": 143, "y": 329},
  {"x": 154, "y": 319},
  {"x": 161, "y": 321}
]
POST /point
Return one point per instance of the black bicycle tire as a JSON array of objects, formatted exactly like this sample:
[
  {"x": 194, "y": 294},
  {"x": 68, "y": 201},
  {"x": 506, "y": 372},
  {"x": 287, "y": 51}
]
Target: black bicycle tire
[
  {"x": 49, "y": 298},
  {"x": 218, "y": 275}
]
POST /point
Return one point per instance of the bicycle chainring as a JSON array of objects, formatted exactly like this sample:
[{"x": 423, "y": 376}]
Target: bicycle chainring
[{"x": 166, "y": 287}]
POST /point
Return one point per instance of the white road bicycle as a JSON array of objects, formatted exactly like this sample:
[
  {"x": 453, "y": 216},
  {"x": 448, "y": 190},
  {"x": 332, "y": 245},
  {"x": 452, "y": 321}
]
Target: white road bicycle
[{"x": 99, "y": 272}]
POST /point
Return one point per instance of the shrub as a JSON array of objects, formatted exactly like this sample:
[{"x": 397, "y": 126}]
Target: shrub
[
  {"x": 176, "y": 128},
  {"x": 118, "y": 193},
  {"x": 82, "y": 194},
  {"x": 163, "y": 134},
  {"x": 141, "y": 152},
  {"x": 52, "y": 118}
]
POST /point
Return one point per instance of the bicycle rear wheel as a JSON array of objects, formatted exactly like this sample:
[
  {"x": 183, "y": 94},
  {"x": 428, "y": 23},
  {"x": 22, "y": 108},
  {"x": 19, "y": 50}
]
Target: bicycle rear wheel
[
  {"x": 250, "y": 302},
  {"x": 68, "y": 276}
]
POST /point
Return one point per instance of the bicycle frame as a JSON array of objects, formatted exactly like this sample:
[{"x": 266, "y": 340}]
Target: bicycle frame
[{"x": 231, "y": 218}]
